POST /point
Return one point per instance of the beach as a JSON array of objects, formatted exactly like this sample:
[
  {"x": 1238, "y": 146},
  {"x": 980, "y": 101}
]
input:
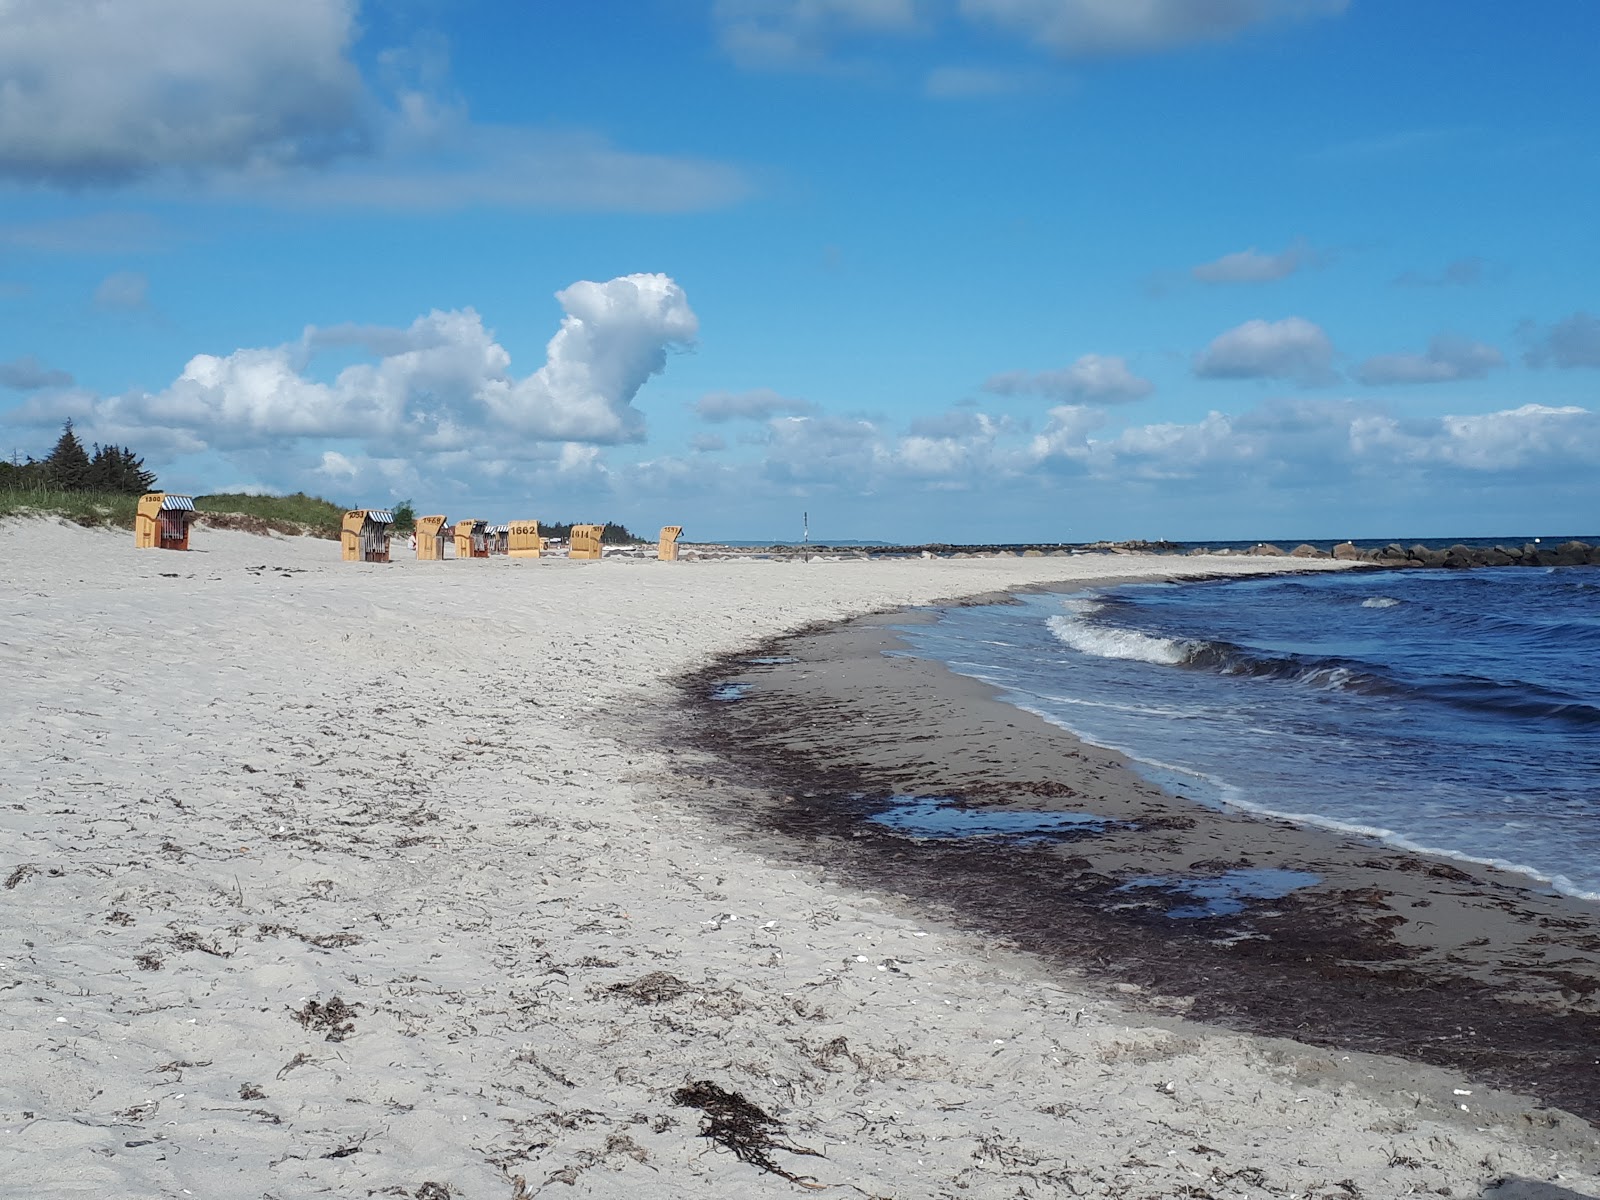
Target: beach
[{"x": 435, "y": 880}]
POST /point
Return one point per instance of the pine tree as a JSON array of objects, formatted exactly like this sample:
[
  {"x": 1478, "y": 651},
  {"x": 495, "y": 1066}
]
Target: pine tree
[
  {"x": 132, "y": 475},
  {"x": 67, "y": 467}
]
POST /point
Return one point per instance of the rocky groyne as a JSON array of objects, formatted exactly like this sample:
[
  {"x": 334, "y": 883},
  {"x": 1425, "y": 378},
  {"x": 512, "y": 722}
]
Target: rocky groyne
[{"x": 1530, "y": 554}]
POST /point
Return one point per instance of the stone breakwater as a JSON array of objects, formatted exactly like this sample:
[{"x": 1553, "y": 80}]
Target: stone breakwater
[{"x": 1531, "y": 554}]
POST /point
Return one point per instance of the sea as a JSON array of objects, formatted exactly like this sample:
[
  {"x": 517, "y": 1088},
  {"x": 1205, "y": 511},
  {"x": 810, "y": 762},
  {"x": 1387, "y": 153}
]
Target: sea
[{"x": 1451, "y": 713}]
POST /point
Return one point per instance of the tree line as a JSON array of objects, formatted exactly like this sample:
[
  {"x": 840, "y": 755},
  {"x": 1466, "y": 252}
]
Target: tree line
[{"x": 70, "y": 467}]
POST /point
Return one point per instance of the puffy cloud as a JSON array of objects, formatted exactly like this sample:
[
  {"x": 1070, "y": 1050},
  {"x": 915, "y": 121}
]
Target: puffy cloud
[
  {"x": 1463, "y": 272},
  {"x": 1065, "y": 439},
  {"x": 1292, "y": 348},
  {"x": 97, "y": 91},
  {"x": 1574, "y": 342},
  {"x": 1093, "y": 378},
  {"x": 1447, "y": 360},
  {"x": 822, "y": 449},
  {"x": 262, "y": 99},
  {"x": 757, "y": 405},
  {"x": 1130, "y": 26},
  {"x": 124, "y": 291},
  {"x": 1532, "y": 437},
  {"x": 28, "y": 374},
  {"x": 441, "y": 385},
  {"x": 1252, "y": 266},
  {"x": 798, "y": 33}
]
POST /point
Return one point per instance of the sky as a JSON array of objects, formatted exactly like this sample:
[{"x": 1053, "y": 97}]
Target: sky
[{"x": 925, "y": 270}]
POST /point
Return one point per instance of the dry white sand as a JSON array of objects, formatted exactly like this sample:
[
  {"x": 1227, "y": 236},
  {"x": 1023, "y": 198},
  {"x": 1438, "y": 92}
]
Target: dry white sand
[{"x": 252, "y": 777}]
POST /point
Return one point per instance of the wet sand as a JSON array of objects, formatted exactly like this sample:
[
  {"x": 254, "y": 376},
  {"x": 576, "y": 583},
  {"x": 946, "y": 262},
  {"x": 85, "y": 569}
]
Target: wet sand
[{"x": 1441, "y": 962}]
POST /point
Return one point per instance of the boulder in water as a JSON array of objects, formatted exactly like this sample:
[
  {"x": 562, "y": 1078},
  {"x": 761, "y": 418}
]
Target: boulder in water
[
  {"x": 1347, "y": 552},
  {"x": 1267, "y": 549},
  {"x": 1306, "y": 550}
]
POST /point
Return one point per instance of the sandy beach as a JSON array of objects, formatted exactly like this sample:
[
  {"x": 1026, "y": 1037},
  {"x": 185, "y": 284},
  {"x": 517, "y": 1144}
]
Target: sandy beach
[{"x": 408, "y": 880}]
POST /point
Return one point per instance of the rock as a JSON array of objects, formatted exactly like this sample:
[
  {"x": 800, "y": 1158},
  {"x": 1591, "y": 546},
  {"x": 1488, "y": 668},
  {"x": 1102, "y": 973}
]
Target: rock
[
  {"x": 1306, "y": 550},
  {"x": 1033, "y": 554},
  {"x": 1426, "y": 557},
  {"x": 1267, "y": 549},
  {"x": 1347, "y": 552}
]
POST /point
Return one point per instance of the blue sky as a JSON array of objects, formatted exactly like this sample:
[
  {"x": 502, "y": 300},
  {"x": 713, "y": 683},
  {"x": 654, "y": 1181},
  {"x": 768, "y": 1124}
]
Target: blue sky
[{"x": 927, "y": 269}]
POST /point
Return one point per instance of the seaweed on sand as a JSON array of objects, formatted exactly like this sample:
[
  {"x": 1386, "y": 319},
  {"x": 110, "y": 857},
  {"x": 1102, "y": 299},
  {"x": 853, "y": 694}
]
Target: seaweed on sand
[{"x": 736, "y": 1124}]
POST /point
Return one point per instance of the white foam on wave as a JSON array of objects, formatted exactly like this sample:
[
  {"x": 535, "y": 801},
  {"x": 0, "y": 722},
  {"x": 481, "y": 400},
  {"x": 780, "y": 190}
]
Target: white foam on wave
[
  {"x": 1380, "y": 602},
  {"x": 1104, "y": 642}
]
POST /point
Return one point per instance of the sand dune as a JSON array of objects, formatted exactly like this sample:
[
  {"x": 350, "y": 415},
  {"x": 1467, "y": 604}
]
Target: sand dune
[{"x": 336, "y": 879}]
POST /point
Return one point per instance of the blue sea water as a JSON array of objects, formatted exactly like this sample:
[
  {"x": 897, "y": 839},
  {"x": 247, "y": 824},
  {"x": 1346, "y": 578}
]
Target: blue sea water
[{"x": 1449, "y": 712}]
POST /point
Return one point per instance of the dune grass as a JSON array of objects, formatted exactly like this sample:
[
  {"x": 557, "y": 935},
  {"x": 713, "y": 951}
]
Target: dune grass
[
  {"x": 313, "y": 512},
  {"x": 91, "y": 509}
]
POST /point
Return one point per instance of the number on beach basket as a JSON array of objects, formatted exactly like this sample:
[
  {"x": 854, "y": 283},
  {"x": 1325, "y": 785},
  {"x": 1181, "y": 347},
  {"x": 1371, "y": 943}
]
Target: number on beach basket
[
  {"x": 667, "y": 550},
  {"x": 162, "y": 521},
  {"x": 472, "y": 539},
  {"x": 524, "y": 540},
  {"x": 364, "y": 536},
  {"x": 586, "y": 541},
  {"x": 430, "y": 538}
]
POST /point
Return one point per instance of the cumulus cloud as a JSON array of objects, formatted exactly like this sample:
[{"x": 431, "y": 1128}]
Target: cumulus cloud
[
  {"x": 1130, "y": 26},
  {"x": 1574, "y": 342},
  {"x": 124, "y": 291},
  {"x": 100, "y": 92},
  {"x": 1093, "y": 378},
  {"x": 789, "y": 34},
  {"x": 28, "y": 374},
  {"x": 1446, "y": 360},
  {"x": 1064, "y": 441},
  {"x": 441, "y": 385},
  {"x": 1252, "y": 266},
  {"x": 1292, "y": 348},
  {"x": 262, "y": 99},
  {"x": 757, "y": 405}
]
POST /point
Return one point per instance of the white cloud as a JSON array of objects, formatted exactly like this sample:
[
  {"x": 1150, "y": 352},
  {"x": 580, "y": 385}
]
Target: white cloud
[
  {"x": 707, "y": 443},
  {"x": 442, "y": 385},
  {"x": 756, "y": 405},
  {"x": 1131, "y": 26},
  {"x": 99, "y": 91},
  {"x": 124, "y": 291},
  {"x": 1292, "y": 348},
  {"x": 261, "y": 100},
  {"x": 1065, "y": 439},
  {"x": 1574, "y": 342},
  {"x": 1533, "y": 437},
  {"x": 28, "y": 374},
  {"x": 1252, "y": 266},
  {"x": 1446, "y": 360},
  {"x": 790, "y": 34},
  {"x": 1093, "y": 379}
]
